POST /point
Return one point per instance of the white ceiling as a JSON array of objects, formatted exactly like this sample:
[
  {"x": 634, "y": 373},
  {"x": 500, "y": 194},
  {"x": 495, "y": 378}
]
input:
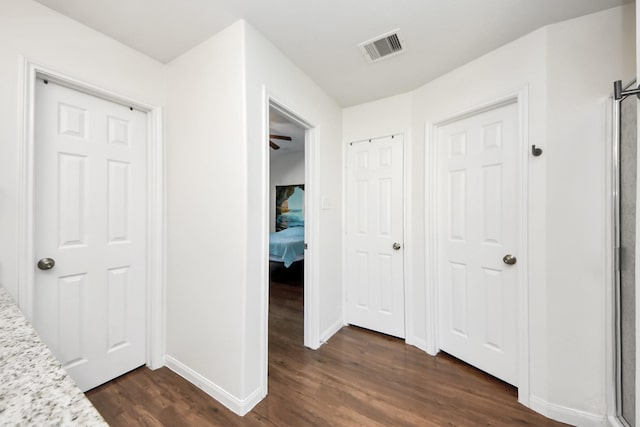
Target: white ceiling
[
  {"x": 321, "y": 36},
  {"x": 281, "y": 125}
]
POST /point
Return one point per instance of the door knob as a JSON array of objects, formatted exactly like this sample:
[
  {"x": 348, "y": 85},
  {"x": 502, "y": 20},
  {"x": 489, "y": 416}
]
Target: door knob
[
  {"x": 396, "y": 246},
  {"x": 509, "y": 259},
  {"x": 46, "y": 263}
]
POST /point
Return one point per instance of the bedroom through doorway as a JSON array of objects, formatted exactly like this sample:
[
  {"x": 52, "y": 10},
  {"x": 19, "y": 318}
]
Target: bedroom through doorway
[{"x": 286, "y": 231}]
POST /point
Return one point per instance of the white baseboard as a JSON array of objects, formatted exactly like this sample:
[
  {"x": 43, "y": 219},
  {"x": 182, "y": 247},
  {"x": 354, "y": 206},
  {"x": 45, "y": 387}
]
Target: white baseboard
[
  {"x": 566, "y": 415},
  {"x": 239, "y": 406},
  {"x": 156, "y": 365},
  {"x": 331, "y": 331},
  {"x": 614, "y": 421}
]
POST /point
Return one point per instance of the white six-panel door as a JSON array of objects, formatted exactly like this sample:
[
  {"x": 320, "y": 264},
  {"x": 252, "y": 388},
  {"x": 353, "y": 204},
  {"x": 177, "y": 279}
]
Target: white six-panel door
[
  {"x": 478, "y": 225},
  {"x": 90, "y": 166},
  {"x": 375, "y": 281}
]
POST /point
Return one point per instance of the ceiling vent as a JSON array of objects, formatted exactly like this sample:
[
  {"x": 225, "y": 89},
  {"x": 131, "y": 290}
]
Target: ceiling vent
[{"x": 383, "y": 46}]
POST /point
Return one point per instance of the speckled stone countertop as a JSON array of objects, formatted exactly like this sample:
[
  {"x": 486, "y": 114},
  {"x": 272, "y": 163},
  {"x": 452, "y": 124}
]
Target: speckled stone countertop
[{"x": 34, "y": 388}]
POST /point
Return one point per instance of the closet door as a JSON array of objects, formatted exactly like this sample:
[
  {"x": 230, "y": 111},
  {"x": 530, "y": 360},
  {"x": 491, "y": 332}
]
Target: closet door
[{"x": 627, "y": 238}]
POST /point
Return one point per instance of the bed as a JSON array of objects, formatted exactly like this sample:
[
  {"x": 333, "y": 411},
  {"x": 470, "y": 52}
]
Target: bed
[{"x": 287, "y": 246}]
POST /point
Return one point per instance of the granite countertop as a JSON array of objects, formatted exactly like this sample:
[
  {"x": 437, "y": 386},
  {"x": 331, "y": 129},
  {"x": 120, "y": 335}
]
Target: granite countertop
[{"x": 34, "y": 388}]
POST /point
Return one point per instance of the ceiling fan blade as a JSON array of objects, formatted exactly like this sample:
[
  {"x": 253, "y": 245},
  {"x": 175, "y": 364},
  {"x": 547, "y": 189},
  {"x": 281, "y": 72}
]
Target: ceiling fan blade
[
  {"x": 285, "y": 138},
  {"x": 274, "y": 145}
]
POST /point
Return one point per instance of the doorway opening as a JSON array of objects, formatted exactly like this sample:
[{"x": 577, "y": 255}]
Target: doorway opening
[
  {"x": 286, "y": 228},
  {"x": 290, "y": 296}
]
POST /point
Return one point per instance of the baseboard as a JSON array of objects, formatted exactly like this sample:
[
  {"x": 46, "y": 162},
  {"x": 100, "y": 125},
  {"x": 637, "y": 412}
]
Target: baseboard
[
  {"x": 613, "y": 421},
  {"x": 156, "y": 365},
  {"x": 331, "y": 331},
  {"x": 566, "y": 415},
  {"x": 238, "y": 406}
]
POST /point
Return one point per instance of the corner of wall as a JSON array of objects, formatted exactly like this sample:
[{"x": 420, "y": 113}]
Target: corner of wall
[
  {"x": 206, "y": 191},
  {"x": 235, "y": 404},
  {"x": 331, "y": 331}
]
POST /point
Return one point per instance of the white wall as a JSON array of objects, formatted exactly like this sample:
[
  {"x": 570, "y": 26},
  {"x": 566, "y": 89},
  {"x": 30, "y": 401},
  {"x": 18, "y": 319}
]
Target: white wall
[
  {"x": 269, "y": 71},
  {"x": 378, "y": 118},
  {"x": 568, "y": 69},
  {"x": 285, "y": 169},
  {"x": 217, "y": 191},
  {"x": 47, "y": 38},
  {"x": 585, "y": 56},
  {"x": 207, "y": 214}
]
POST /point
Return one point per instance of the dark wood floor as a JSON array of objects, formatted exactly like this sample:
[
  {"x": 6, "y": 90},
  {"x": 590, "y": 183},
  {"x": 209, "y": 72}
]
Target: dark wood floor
[{"x": 359, "y": 378}]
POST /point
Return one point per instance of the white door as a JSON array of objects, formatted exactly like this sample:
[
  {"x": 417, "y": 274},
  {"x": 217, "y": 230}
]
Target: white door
[
  {"x": 478, "y": 221},
  {"x": 90, "y": 166},
  {"x": 375, "y": 288}
]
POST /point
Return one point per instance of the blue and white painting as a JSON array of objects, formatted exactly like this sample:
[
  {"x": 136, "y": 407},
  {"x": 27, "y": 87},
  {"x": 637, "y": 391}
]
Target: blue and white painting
[{"x": 289, "y": 206}]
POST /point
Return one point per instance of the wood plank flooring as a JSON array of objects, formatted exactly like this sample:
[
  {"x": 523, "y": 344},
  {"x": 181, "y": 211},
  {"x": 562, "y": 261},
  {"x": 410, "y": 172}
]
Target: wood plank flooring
[{"x": 359, "y": 378}]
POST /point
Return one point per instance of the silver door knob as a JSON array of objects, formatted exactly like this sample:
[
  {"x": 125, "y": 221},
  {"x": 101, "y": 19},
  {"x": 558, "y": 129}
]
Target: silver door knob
[
  {"x": 46, "y": 263},
  {"x": 509, "y": 259},
  {"x": 396, "y": 246}
]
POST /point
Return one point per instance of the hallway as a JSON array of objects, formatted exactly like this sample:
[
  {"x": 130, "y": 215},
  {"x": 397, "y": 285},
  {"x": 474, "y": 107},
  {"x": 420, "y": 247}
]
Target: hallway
[{"x": 357, "y": 378}]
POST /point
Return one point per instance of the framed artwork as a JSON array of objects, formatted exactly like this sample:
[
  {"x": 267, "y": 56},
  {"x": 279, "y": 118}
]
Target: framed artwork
[{"x": 289, "y": 206}]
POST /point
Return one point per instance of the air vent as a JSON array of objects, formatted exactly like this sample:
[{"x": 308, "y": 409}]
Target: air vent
[{"x": 383, "y": 46}]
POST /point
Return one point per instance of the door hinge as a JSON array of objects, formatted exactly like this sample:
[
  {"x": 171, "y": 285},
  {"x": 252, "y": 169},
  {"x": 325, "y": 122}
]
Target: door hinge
[{"x": 306, "y": 246}]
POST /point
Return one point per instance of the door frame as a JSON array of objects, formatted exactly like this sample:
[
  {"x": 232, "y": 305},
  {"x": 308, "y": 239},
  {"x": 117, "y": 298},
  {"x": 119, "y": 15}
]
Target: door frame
[
  {"x": 612, "y": 241},
  {"x": 520, "y": 98},
  {"x": 311, "y": 230},
  {"x": 155, "y": 256},
  {"x": 612, "y": 166}
]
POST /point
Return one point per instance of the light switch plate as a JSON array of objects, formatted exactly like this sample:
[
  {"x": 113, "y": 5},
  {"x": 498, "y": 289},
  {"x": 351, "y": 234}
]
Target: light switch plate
[{"x": 325, "y": 204}]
